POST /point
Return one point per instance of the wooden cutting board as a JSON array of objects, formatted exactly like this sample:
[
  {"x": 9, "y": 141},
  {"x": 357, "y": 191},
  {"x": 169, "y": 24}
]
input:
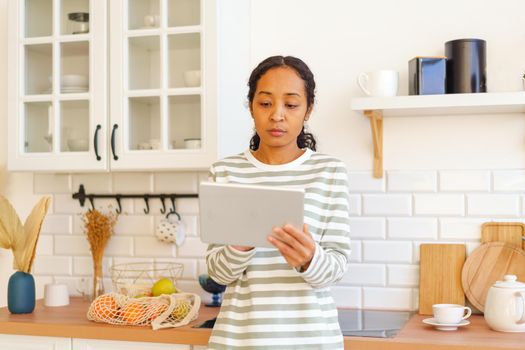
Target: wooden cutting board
[
  {"x": 440, "y": 275},
  {"x": 508, "y": 232},
  {"x": 487, "y": 264}
]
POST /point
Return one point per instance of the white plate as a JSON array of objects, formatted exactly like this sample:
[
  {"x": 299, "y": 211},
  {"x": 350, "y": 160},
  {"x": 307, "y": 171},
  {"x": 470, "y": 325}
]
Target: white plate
[
  {"x": 445, "y": 326},
  {"x": 67, "y": 89}
]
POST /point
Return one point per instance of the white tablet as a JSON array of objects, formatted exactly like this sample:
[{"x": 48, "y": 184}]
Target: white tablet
[{"x": 239, "y": 214}]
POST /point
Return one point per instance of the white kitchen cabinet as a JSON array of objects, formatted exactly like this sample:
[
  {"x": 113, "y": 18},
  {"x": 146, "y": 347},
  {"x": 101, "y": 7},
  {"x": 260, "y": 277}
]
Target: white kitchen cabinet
[
  {"x": 92, "y": 344},
  {"x": 27, "y": 342},
  {"x": 147, "y": 103},
  {"x": 163, "y": 115},
  {"x": 57, "y": 96}
]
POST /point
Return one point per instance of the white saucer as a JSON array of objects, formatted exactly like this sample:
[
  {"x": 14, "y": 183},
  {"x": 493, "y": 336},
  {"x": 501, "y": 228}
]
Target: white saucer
[{"x": 445, "y": 326}]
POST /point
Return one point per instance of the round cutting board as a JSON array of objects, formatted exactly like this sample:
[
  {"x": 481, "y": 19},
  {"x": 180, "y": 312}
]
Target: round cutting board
[{"x": 487, "y": 264}]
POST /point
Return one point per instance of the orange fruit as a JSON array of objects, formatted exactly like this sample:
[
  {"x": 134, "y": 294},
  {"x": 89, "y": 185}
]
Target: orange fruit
[
  {"x": 105, "y": 307},
  {"x": 155, "y": 310},
  {"x": 134, "y": 313}
]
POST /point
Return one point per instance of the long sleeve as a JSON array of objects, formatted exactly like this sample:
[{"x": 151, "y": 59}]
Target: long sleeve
[
  {"x": 226, "y": 264},
  {"x": 330, "y": 260}
]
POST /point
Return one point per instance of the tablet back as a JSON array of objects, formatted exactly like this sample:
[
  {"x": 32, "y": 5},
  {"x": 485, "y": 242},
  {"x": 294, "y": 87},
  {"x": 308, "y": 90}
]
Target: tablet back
[{"x": 239, "y": 214}]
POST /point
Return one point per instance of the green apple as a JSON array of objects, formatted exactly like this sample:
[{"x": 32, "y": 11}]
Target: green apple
[{"x": 163, "y": 286}]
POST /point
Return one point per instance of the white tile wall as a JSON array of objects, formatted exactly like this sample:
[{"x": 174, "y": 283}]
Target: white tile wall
[
  {"x": 387, "y": 204},
  {"x": 461, "y": 181},
  {"x": 54, "y": 224},
  {"x": 390, "y": 218},
  {"x": 364, "y": 182},
  {"x": 417, "y": 228},
  {"x": 403, "y": 275},
  {"x": 367, "y": 228},
  {"x": 439, "y": 204},
  {"x": 509, "y": 181},
  {"x": 365, "y": 274},
  {"x": 45, "y": 245},
  {"x": 387, "y": 298},
  {"x": 387, "y": 251},
  {"x": 412, "y": 181},
  {"x": 94, "y": 183},
  {"x": 493, "y": 204},
  {"x": 51, "y": 183}
]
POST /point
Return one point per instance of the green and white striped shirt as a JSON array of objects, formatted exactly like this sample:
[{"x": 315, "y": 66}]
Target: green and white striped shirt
[{"x": 267, "y": 303}]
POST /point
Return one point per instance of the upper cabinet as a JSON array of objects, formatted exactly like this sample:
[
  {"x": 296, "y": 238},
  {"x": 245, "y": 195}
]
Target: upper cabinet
[
  {"x": 57, "y": 96},
  {"x": 147, "y": 103}
]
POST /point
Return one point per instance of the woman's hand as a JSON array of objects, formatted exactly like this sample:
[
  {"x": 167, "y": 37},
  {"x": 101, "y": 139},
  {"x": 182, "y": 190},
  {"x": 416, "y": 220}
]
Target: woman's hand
[{"x": 296, "y": 246}]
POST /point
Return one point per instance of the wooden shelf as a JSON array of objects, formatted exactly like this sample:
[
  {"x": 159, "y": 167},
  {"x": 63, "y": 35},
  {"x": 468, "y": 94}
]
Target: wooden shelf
[{"x": 375, "y": 108}]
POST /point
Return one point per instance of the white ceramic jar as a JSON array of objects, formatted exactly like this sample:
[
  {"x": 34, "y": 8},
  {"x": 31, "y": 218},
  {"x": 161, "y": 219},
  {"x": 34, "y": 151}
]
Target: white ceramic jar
[{"x": 505, "y": 305}]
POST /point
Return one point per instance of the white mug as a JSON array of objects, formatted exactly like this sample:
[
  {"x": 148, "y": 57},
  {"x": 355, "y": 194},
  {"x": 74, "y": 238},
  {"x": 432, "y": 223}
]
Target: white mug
[
  {"x": 171, "y": 230},
  {"x": 450, "y": 313},
  {"x": 379, "y": 83},
  {"x": 56, "y": 295}
]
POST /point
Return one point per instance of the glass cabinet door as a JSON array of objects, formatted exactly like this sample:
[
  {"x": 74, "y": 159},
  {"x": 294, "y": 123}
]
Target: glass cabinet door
[
  {"x": 58, "y": 108},
  {"x": 161, "y": 122}
]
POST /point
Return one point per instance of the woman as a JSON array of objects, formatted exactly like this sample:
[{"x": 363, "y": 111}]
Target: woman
[{"x": 279, "y": 298}]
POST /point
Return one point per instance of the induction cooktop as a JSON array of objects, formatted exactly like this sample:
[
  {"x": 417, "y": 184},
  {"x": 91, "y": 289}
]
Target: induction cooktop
[
  {"x": 372, "y": 323},
  {"x": 362, "y": 322}
]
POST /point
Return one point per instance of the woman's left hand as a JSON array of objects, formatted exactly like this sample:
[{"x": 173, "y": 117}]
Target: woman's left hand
[{"x": 296, "y": 246}]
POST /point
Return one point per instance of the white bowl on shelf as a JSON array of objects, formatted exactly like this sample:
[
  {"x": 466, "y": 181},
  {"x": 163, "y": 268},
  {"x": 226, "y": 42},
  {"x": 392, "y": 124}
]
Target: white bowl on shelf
[
  {"x": 77, "y": 145},
  {"x": 192, "y": 143},
  {"x": 73, "y": 80},
  {"x": 192, "y": 78}
]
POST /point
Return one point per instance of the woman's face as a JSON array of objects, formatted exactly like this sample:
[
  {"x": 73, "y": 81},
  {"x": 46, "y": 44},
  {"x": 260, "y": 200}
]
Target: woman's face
[{"x": 279, "y": 108}]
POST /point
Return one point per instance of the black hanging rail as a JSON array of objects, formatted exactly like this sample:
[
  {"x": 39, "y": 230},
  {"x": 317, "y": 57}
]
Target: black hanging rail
[{"x": 81, "y": 196}]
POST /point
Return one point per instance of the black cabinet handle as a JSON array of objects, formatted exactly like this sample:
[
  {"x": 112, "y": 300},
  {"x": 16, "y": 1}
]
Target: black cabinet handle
[
  {"x": 115, "y": 127},
  {"x": 95, "y": 142}
]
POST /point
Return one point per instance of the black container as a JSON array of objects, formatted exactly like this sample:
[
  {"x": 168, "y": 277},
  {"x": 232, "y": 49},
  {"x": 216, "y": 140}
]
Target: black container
[
  {"x": 466, "y": 66},
  {"x": 427, "y": 75}
]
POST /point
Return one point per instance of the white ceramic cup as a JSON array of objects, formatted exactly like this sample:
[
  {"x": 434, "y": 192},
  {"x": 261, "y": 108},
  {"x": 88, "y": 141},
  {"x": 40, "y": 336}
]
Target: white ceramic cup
[
  {"x": 171, "y": 230},
  {"x": 56, "y": 295},
  {"x": 379, "y": 83},
  {"x": 450, "y": 313}
]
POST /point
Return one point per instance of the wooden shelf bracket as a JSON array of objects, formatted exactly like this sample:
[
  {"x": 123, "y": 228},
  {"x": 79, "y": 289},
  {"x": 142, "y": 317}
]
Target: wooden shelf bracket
[{"x": 376, "y": 125}]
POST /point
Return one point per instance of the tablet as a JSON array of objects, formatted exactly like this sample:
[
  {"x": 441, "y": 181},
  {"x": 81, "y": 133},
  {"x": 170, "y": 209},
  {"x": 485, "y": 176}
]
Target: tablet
[{"x": 239, "y": 214}]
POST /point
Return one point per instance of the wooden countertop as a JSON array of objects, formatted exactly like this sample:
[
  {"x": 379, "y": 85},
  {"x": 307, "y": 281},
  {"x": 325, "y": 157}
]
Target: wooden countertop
[{"x": 71, "y": 322}]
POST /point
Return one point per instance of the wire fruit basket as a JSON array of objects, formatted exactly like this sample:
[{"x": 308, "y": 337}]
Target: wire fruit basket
[{"x": 137, "y": 279}]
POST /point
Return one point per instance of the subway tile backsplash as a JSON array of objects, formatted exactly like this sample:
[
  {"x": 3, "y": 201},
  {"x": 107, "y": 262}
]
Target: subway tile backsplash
[{"x": 390, "y": 218}]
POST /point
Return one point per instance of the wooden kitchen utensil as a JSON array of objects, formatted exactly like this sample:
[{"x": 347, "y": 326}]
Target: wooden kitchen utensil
[
  {"x": 508, "y": 232},
  {"x": 487, "y": 264},
  {"x": 440, "y": 275}
]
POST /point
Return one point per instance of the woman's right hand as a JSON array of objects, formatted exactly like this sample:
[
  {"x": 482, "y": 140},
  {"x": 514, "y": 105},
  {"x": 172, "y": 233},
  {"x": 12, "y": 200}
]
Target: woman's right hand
[{"x": 242, "y": 248}]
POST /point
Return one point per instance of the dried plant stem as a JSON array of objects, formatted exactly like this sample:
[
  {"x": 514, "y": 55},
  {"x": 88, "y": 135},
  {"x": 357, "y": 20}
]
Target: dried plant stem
[{"x": 99, "y": 228}]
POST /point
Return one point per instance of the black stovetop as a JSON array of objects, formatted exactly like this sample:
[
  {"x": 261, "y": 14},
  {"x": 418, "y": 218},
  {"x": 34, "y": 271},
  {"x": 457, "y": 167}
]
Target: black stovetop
[
  {"x": 372, "y": 323},
  {"x": 362, "y": 323}
]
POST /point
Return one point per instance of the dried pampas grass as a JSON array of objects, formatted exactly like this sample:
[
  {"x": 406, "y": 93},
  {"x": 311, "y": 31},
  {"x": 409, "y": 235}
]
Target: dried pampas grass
[{"x": 22, "y": 239}]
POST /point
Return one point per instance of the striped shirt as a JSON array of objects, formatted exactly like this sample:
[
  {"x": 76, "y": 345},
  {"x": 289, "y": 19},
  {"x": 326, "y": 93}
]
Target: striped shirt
[{"x": 268, "y": 304}]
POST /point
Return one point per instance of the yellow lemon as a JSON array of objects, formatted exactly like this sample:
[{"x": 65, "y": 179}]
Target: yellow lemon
[
  {"x": 163, "y": 286},
  {"x": 182, "y": 309}
]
